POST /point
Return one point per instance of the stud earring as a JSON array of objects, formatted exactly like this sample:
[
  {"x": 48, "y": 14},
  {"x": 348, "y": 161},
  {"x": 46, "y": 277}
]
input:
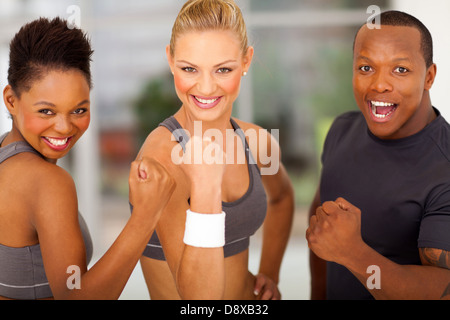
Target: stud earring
[{"x": 244, "y": 73}]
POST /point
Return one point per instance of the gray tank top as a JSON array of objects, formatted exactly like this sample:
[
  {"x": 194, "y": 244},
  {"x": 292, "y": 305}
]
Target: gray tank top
[
  {"x": 22, "y": 274},
  {"x": 243, "y": 216}
]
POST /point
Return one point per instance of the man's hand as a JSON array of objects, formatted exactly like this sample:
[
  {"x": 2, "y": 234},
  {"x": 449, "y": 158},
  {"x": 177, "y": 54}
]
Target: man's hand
[{"x": 334, "y": 231}]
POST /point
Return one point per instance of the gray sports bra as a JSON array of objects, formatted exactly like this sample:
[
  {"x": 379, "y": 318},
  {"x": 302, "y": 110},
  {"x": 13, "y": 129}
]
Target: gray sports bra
[
  {"x": 22, "y": 274},
  {"x": 243, "y": 216}
]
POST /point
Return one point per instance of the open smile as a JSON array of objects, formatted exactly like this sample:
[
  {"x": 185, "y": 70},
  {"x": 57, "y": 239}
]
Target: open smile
[
  {"x": 206, "y": 102},
  {"x": 57, "y": 144},
  {"x": 381, "y": 111}
]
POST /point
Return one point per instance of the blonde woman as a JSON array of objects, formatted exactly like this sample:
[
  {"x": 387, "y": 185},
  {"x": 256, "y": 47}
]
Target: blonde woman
[{"x": 200, "y": 247}]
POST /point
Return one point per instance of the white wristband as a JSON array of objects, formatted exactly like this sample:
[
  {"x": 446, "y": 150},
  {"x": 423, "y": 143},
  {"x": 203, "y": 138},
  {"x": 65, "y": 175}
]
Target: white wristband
[{"x": 204, "y": 230}]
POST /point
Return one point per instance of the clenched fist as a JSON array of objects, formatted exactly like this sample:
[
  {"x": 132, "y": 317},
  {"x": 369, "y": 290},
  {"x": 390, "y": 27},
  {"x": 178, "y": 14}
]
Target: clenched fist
[
  {"x": 151, "y": 186},
  {"x": 334, "y": 231}
]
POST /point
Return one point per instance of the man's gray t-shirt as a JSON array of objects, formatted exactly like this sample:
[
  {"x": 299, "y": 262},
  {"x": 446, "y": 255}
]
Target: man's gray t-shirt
[{"x": 402, "y": 188}]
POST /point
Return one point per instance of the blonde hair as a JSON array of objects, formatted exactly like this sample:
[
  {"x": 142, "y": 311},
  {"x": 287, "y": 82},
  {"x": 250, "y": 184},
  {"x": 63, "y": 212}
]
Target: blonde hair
[{"x": 204, "y": 15}]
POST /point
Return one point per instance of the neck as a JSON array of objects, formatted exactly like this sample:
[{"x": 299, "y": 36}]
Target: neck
[
  {"x": 188, "y": 122},
  {"x": 430, "y": 113},
  {"x": 13, "y": 136}
]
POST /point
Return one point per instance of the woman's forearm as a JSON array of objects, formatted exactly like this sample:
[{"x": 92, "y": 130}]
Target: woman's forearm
[
  {"x": 201, "y": 272},
  {"x": 276, "y": 233},
  {"x": 107, "y": 278}
]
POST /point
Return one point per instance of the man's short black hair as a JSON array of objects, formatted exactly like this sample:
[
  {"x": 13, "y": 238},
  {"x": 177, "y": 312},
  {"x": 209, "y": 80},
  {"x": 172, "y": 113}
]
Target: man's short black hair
[{"x": 402, "y": 19}]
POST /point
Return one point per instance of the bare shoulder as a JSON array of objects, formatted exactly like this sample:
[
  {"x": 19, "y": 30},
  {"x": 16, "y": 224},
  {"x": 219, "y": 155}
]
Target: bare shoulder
[
  {"x": 56, "y": 186},
  {"x": 159, "y": 145},
  {"x": 38, "y": 175},
  {"x": 42, "y": 187},
  {"x": 162, "y": 146}
]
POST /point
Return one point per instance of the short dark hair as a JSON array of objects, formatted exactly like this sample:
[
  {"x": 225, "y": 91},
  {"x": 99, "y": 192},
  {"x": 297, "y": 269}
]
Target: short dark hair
[
  {"x": 402, "y": 19},
  {"x": 44, "y": 45}
]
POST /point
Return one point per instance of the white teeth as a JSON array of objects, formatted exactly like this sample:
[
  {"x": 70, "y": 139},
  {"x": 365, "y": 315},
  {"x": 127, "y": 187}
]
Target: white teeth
[
  {"x": 57, "y": 142},
  {"x": 381, "y": 104},
  {"x": 206, "y": 101},
  {"x": 375, "y": 104},
  {"x": 381, "y": 116}
]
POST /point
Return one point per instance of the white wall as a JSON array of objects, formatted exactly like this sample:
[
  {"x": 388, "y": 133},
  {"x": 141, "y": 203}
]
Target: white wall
[{"x": 434, "y": 14}]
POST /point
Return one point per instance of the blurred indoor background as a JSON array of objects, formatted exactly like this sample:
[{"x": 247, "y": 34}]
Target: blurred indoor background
[{"x": 299, "y": 81}]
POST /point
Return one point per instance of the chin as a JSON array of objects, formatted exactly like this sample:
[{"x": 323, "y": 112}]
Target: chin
[{"x": 209, "y": 115}]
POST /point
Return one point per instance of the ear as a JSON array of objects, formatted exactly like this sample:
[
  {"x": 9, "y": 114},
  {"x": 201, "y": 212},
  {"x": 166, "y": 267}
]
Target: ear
[
  {"x": 170, "y": 58},
  {"x": 430, "y": 76},
  {"x": 248, "y": 57},
  {"x": 10, "y": 99}
]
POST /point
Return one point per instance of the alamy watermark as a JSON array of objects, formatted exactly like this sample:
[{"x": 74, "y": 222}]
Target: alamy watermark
[
  {"x": 374, "y": 280},
  {"x": 373, "y": 22},
  {"x": 74, "y": 19},
  {"x": 74, "y": 280},
  {"x": 197, "y": 153}
]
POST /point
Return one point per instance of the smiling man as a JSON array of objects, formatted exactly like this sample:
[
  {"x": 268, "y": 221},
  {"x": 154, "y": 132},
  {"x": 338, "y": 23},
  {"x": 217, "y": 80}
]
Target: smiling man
[{"x": 384, "y": 196}]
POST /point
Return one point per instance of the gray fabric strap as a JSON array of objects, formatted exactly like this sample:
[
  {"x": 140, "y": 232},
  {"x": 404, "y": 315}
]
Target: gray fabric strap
[
  {"x": 178, "y": 132},
  {"x": 182, "y": 137},
  {"x": 14, "y": 148}
]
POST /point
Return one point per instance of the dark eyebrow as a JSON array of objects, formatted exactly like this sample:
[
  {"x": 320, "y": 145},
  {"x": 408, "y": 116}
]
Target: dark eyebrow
[
  {"x": 82, "y": 103},
  {"x": 44, "y": 103},
  {"x": 363, "y": 57},
  {"x": 402, "y": 59},
  {"x": 395, "y": 60},
  {"x": 49, "y": 104}
]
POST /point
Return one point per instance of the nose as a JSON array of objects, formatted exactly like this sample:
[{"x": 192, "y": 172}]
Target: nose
[
  {"x": 63, "y": 124},
  {"x": 381, "y": 82},
  {"x": 206, "y": 84}
]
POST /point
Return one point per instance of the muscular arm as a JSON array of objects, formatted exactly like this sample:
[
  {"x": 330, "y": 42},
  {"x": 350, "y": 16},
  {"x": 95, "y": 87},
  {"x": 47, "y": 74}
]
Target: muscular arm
[
  {"x": 427, "y": 281},
  {"x": 199, "y": 273},
  {"x": 437, "y": 258},
  {"x": 335, "y": 235},
  {"x": 446, "y": 293},
  {"x": 62, "y": 245}
]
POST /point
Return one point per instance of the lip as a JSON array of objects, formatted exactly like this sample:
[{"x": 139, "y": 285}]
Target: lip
[
  {"x": 203, "y": 105},
  {"x": 61, "y": 147},
  {"x": 387, "y": 117}
]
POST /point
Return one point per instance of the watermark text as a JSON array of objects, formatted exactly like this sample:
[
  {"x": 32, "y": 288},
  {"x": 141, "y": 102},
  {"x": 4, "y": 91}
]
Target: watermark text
[
  {"x": 74, "y": 19},
  {"x": 224, "y": 149},
  {"x": 373, "y": 22},
  {"x": 374, "y": 280}
]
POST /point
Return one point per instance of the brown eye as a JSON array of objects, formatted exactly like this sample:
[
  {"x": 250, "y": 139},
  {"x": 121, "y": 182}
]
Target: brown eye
[
  {"x": 80, "y": 111},
  {"x": 47, "y": 112},
  {"x": 401, "y": 70}
]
